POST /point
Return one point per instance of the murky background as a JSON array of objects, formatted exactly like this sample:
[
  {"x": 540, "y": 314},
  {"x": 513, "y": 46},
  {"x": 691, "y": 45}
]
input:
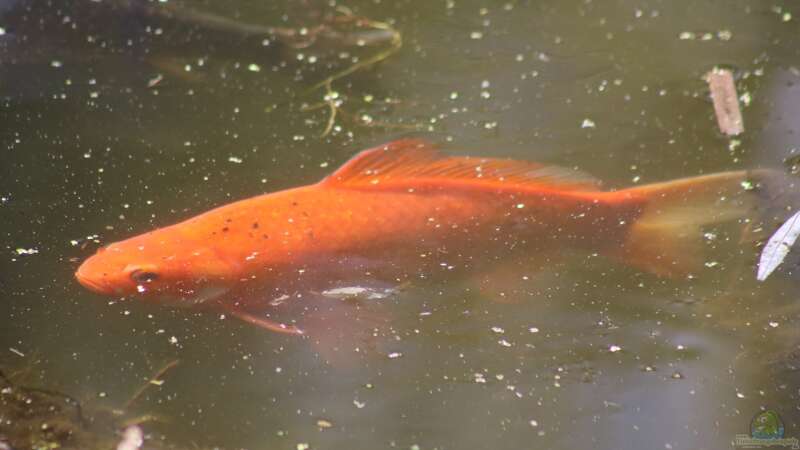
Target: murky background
[{"x": 108, "y": 142}]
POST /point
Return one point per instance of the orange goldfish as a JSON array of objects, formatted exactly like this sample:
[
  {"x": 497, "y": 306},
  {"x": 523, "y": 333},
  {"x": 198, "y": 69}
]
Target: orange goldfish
[{"x": 404, "y": 210}]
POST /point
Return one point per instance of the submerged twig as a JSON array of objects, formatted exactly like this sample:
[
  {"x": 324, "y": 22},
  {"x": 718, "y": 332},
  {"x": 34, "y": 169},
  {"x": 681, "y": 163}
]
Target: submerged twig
[
  {"x": 154, "y": 380},
  {"x": 395, "y": 43},
  {"x": 330, "y": 99}
]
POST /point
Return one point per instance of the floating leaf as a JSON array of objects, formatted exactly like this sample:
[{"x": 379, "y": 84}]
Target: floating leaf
[{"x": 778, "y": 247}]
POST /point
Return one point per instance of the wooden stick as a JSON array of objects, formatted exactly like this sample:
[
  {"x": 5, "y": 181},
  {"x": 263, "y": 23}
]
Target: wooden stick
[{"x": 726, "y": 102}]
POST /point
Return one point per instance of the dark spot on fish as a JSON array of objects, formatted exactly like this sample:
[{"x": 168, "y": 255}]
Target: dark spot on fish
[
  {"x": 228, "y": 220},
  {"x": 255, "y": 225},
  {"x": 265, "y": 236},
  {"x": 294, "y": 203},
  {"x": 225, "y": 229}
]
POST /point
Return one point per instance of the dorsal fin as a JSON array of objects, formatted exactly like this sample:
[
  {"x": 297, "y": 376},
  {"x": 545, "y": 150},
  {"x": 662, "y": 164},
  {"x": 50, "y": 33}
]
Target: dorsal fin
[{"x": 414, "y": 163}]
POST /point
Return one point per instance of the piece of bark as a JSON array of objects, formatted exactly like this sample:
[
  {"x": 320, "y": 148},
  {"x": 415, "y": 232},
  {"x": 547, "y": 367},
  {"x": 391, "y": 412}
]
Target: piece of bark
[{"x": 726, "y": 102}]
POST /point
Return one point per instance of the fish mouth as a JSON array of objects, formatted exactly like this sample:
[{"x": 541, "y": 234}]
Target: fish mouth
[{"x": 91, "y": 283}]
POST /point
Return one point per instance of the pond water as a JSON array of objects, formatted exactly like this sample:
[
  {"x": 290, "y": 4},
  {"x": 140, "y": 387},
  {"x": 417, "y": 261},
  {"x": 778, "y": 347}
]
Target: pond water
[{"x": 102, "y": 144}]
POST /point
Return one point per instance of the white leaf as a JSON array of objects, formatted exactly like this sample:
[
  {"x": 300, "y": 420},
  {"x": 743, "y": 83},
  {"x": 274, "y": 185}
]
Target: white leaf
[{"x": 778, "y": 247}]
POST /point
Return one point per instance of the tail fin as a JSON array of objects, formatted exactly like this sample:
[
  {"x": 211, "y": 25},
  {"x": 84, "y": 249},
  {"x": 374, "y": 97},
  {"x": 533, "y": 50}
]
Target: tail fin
[{"x": 666, "y": 239}]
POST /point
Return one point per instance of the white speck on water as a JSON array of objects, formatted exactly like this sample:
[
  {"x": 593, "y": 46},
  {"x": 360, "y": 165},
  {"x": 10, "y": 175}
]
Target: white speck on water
[
  {"x": 588, "y": 123},
  {"x": 394, "y": 355},
  {"x": 498, "y": 330},
  {"x": 614, "y": 348},
  {"x": 520, "y": 205},
  {"x": 235, "y": 159},
  {"x": 302, "y": 446},
  {"x": 746, "y": 98},
  {"x": 56, "y": 63},
  {"x": 476, "y": 35},
  {"x": 16, "y": 352},
  {"x": 504, "y": 343},
  {"x": 680, "y": 347},
  {"x": 774, "y": 324},
  {"x": 140, "y": 288},
  {"x": 27, "y": 251},
  {"x": 359, "y": 404},
  {"x": 533, "y": 423},
  {"x": 533, "y": 330},
  {"x": 739, "y": 395},
  {"x": 173, "y": 340},
  {"x": 2, "y": 31}
]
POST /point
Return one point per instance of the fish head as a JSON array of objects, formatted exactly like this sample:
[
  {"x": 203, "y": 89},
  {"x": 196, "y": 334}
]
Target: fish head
[{"x": 156, "y": 266}]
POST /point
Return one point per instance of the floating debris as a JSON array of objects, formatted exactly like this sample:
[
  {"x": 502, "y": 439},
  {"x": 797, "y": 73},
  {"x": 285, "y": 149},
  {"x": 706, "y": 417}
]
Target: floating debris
[
  {"x": 778, "y": 247},
  {"x": 153, "y": 82},
  {"x": 322, "y": 423},
  {"x": 27, "y": 251},
  {"x": 726, "y": 102},
  {"x": 132, "y": 438}
]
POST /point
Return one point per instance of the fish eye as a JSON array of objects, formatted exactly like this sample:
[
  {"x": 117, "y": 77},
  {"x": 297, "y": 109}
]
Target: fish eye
[{"x": 143, "y": 276}]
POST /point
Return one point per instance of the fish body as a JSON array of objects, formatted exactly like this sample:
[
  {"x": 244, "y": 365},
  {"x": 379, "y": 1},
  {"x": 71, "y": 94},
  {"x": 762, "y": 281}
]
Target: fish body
[{"x": 402, "y": 211}]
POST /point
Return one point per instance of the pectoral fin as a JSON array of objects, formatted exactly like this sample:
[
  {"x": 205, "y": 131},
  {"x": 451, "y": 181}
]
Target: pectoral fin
[{"x": 265, "y": 323}]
